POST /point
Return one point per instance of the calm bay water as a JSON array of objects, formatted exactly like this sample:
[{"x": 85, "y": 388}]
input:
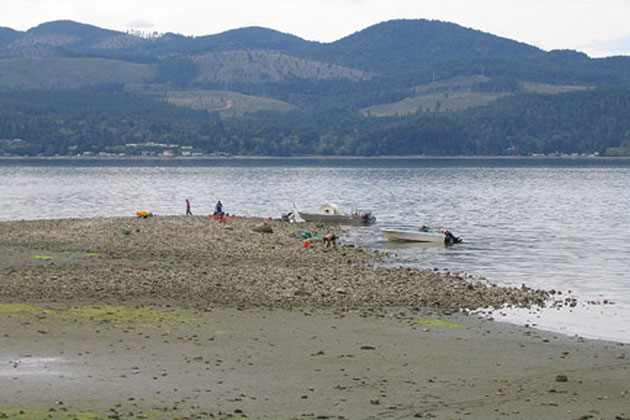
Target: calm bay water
[{"x": 558, "y": 224}]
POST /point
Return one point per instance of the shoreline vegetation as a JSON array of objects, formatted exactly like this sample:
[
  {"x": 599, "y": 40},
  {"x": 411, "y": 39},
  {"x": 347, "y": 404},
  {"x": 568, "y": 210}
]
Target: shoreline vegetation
[{"x": 174, "y": 317}]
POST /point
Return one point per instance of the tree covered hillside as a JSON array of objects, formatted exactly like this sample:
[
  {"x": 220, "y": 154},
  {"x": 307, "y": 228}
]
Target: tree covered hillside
[
  {"x": 580, "y": 122},
  {"x": 73, "y": 122},
  {"x": 399, "y": 87}
]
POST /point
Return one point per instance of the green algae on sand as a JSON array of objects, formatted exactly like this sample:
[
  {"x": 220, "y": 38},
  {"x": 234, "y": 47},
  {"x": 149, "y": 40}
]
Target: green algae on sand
[
  {"x": 93, "y": 254},
  {"x": 62, "y": 413},
  {"x": 439, "y": 323},
  {"x": 119, "y": 316}
]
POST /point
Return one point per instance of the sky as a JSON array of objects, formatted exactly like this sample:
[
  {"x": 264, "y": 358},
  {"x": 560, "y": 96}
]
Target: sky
[{"x": 597, "y": 27}]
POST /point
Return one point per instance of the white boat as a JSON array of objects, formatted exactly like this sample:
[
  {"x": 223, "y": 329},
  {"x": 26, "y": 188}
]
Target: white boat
[
  {"x": 414, "y": 235},
  {"x": 329, "y": 213}
]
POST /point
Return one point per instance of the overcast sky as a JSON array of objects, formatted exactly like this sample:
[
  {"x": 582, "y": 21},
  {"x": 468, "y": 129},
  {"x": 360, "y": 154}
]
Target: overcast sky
[{"x": 597, "y": 27}]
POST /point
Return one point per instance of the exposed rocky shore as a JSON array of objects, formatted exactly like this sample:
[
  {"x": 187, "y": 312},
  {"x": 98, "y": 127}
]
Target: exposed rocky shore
[{"x": 202, "y": 262}]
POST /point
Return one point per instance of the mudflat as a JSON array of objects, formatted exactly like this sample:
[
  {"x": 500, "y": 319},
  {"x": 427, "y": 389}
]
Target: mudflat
[{"x": 189, "y": 317}]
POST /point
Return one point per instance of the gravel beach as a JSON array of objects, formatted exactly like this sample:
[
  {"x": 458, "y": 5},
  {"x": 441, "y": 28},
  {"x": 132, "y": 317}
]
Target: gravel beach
[
  {"x": 198, "y": 261},
  {"x": 190, "y": 317}
]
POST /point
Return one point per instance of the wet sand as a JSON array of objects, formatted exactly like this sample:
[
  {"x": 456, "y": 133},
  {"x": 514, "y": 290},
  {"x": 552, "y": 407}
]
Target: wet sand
[{"x": 268, "y": 329}]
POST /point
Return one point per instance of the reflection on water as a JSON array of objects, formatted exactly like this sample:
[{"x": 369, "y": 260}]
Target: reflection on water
[{"x": 561, "y": 224}]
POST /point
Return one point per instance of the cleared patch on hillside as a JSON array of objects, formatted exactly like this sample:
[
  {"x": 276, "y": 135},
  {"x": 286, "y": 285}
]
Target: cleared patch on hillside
[
  {"x": 268, "y": 66},
  {"x": 60, "y": 72},
  {"x": 544, "y": 88},
  {"x": 454, "y": 94},
  {"x": 228, "y": 104},
  {"x": 455, "y": 84},
  {"x": 457, "y": 94},
  {"x": 435, "y": 102}
]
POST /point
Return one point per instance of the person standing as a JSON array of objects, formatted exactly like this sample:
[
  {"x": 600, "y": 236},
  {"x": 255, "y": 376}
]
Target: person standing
[
  {"x": 188, "y": 212},
  {"x": 218, "y": 209}
]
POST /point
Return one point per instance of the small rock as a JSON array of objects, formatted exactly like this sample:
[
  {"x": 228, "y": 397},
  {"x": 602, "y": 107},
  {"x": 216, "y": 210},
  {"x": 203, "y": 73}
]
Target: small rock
[{"x": 263, "y": 228}]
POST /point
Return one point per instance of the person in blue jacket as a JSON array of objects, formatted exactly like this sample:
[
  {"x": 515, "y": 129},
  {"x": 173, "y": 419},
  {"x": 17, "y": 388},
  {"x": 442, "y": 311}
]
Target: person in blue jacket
[{"x": 218, "y": 209}]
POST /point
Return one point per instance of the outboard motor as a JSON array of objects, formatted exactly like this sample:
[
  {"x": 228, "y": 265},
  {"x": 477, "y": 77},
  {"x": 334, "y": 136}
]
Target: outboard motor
[
  {"x": 368, "y": 218},
  {"x": 450, "y": 239}
]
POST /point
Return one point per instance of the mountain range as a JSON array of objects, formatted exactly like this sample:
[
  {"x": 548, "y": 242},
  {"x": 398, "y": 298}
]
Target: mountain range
[{"x": 259, "y": 91}]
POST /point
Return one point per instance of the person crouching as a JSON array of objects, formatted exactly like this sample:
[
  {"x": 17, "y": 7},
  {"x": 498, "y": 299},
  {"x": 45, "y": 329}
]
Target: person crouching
[{"x": 330, "y": 239}]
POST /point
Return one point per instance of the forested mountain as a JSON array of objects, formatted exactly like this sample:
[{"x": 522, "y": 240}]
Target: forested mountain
[
  {"x": 398, "y": 87},
  {"x": 404, "y": 45},
  {"x": 7, "y": 36}
]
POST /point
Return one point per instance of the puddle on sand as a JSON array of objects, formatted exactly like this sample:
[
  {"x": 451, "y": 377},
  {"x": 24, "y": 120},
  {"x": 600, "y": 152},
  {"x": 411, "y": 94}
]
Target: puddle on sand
[{"x": 32, "y": 366}]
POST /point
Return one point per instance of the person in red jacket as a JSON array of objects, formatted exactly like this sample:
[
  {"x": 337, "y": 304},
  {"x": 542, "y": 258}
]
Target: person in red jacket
[{"x": 188, "y": 212}]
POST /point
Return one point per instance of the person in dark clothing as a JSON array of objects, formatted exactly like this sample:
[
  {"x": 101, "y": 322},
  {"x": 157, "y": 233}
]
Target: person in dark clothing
[
  {"x": 188, "y": 212},
  {"x": 218, "y": 209}
]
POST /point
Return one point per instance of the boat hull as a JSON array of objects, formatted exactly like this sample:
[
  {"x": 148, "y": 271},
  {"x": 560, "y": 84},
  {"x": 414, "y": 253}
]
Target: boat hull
[
  {"x": 342, "y": 219},
  {"x": 410, "y": 235}
]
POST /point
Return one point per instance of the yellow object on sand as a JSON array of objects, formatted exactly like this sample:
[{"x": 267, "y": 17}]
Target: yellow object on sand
[{"x": 142, "y": 213}]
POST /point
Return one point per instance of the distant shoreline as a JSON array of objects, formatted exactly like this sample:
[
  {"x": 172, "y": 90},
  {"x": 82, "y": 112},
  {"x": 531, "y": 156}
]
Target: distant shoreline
[{"x": 322, "y": 157}]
